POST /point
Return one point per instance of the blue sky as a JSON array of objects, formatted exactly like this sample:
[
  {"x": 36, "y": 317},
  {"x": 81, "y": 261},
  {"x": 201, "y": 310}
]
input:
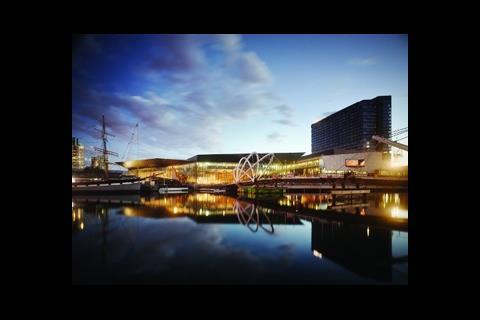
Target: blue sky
[{"x": 194, "y": 94}]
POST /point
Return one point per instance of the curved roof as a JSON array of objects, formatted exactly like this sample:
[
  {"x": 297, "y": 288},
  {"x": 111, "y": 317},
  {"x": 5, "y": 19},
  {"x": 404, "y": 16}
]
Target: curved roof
[
  {"x": 229, "y": 157},
  {"x": 235, "y": 157},
  {"x": 150, "y": 163}
]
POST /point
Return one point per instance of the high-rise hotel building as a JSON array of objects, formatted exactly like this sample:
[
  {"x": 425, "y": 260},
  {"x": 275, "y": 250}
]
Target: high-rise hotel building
[{"x": 352, "y": 128}]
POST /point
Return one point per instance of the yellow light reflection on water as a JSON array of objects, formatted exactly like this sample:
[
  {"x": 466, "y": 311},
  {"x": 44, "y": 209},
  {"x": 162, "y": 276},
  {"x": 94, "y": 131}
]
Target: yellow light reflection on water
[
  {"x": 81, "y": 225},
  {"x": 396, "y": 212},
  {"x": 175, "y": 210},
  {"x": 317, "y": 254},
  {"x": 128, "y": 212}
]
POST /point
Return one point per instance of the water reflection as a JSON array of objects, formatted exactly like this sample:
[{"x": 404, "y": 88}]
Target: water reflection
[
  {"x": 370, "y": 253},
  {"x": 248, "y": 214},
  {"x": 376, "y": 204},
  {"x": 363, "y": 250}
]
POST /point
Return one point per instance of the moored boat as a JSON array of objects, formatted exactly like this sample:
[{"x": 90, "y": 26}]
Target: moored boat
[
  {"x": 108, "y": 186},
  {"x": 172, "y": 190},
  {"x": 209, "y": 190}
]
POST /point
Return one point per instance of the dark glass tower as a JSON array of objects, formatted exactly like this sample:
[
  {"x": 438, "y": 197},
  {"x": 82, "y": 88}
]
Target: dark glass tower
[{"x": 352, "y": 128}]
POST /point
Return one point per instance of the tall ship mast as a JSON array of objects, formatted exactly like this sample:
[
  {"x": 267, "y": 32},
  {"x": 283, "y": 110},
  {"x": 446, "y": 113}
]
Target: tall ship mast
[
  {"x": 107, "y": 184},
  {"x": 104, "y": 150}
]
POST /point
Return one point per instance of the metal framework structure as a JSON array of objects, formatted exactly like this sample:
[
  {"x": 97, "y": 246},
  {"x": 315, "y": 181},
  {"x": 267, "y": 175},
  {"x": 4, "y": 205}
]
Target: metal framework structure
[
  {"x": 252, "y": 167},
  {"x": 391, "y": 143}
]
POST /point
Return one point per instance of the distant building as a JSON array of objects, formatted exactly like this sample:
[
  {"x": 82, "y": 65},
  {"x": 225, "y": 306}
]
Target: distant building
[
  {"x": 352, "y": 128},
  {"x": 78, "y": 154},
  {"x": 97, "y": 162}
]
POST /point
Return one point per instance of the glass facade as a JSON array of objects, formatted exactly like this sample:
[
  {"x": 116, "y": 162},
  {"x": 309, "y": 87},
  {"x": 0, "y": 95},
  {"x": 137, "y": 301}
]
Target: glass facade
[
  {"x": 204, "y": 173},
  {"x": 221, "y": 173},
  {"x": 352, "y": 128},
  {"x": 214, "y": 169}
]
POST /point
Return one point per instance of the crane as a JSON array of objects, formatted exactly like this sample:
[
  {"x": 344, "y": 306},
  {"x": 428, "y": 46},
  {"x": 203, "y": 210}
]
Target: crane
[
  {"x": 395, "y": 144},
  {"x": 391, "y": 143},
  {"x": 134, "y": 133}
]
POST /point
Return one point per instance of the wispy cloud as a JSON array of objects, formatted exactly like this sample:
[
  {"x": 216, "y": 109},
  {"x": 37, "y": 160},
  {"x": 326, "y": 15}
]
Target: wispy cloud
[
  {"x": 274, "y": 137},
  {"x": 286, "y": 112},
  {"x": 363, "y": 61},
  {"x": 181, "y": 53},
  {"x": 252, "y": 69},
  {"x": 201, "y": 95},
  {"x": 286, "y": 122}
]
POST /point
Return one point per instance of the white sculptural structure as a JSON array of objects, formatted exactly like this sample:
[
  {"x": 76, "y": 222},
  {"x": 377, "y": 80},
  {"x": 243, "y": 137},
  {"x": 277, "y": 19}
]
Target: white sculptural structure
[{"x": 252, "y": 167}]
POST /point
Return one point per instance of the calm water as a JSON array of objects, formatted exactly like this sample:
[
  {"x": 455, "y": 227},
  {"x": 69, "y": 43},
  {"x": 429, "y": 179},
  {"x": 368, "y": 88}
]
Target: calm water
[{"x": 203, "y": 239}]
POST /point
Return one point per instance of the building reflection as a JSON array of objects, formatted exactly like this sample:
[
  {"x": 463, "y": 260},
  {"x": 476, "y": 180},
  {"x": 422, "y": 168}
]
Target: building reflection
[
  {"x": 209, "y": 208},
  {"x": 78, "y": 218},
  {"x": 82, "y": 212},
  {"x": 376, "y": 204},
  {"x": 251, "y": 215},
  {"x": 202, "y": 208},
  {"x": 364, "y": 250}
]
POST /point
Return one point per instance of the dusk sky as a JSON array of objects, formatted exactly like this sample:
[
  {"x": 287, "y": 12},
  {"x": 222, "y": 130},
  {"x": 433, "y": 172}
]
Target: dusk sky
[{"x": 197, "y": 94}]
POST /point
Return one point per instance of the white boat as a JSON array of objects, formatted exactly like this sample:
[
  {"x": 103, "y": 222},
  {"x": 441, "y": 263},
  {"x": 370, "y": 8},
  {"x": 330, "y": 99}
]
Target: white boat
[
  {"x": 206, "y": 190},
  {"x": 104, "y": 186},
  {"x": 171, "y": 190}
]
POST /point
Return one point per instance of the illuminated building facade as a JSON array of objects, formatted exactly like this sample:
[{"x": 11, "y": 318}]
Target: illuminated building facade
[
  {"x": 352, "y": 128},
  {"x": 204, "y": 169},
  {"x": 78, "y": 154},
  {"x": 218, "y": 169},
  {"x": 342, "y": 161}
]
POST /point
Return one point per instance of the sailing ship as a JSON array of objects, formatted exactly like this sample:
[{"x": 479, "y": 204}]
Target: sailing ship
[{"x": 106, "y": 184}]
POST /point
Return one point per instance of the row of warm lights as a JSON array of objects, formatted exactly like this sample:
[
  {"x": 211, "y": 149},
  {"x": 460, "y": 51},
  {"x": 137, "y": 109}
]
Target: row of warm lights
[
  {"x": 318, "y": 206},
  {"x": 207, "y": 212}
]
